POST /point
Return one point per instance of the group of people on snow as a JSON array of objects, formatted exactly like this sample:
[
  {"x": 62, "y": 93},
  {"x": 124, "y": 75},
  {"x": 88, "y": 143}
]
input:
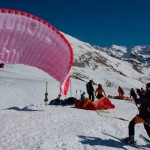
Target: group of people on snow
[{"x": 99, "y": 92}]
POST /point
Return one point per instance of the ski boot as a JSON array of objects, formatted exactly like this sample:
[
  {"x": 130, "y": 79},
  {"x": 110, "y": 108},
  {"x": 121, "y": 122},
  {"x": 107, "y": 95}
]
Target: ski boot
[{"x": 129, "y": 140}]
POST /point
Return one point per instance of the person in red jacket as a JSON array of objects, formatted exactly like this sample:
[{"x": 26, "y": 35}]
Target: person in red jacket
[{"x": 120, "y": 91}]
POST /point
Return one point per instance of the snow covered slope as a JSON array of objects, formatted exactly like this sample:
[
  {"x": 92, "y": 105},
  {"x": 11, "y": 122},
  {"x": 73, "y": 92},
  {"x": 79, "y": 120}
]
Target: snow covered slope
[
  {"x": 38, "y": 127},
  {"x": 108, "y": 66}
]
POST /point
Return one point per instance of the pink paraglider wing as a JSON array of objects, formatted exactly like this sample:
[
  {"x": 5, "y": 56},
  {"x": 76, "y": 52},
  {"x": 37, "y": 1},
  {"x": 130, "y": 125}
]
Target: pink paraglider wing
[{"x": 27, "y": 39}]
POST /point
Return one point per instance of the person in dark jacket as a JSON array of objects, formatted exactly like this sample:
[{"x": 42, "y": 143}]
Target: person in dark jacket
[
  {"x": 90, "y": 90},
  {"x": 144, "y": 113}
]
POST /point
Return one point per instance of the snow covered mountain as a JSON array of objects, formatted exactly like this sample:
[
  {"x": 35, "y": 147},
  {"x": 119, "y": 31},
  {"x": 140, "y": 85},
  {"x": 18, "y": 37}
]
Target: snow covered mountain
[
  {"x": 107, "y": 64},
  {"x": 137, "y": 55}
]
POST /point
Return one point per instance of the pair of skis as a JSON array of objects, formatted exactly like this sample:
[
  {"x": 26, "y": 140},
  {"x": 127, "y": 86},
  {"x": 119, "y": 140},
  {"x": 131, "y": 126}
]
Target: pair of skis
[{"x": 147, "y": 140}]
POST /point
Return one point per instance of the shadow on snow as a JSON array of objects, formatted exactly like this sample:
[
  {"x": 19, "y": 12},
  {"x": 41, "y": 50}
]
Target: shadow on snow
[
  {"x": 98, "y": 141},
  {"x": 21, "y": 109},
  {"x": 135, "y": 146}
]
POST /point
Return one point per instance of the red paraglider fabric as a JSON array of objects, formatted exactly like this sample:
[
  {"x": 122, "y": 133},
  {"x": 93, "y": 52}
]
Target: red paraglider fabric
[
  {"x": 85, "y": 104},
  {"x": 123, "y": 98},
  {"x": 27, "y": 39},
  {"x": 103, "y": 103}
]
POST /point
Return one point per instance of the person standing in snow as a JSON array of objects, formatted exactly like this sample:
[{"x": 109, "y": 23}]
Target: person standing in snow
[
  {"x": 99, "y": 92},
  {"x": 144, "y": 113},
  {"x": 90, "y": 90}
]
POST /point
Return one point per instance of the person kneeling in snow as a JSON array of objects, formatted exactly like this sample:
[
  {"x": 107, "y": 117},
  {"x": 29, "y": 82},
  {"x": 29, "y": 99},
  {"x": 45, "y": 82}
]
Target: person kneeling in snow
[
  {"x": 82, "y": 96},
  {"x": 99, "y": 92},
  {"x": 144, "y": 113},
  {"x": 120, "y": 91}
]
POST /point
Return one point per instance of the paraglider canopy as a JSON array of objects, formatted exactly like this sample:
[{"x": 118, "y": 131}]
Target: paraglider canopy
[{"x": 27, "y": 39}]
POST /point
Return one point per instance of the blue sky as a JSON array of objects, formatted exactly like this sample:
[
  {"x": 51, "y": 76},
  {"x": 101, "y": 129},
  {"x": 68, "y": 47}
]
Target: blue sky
[{"x": 98, "y": 22}]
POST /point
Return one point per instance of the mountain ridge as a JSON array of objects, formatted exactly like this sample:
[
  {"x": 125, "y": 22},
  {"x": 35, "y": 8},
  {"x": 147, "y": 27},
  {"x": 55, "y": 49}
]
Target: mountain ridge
[
  {"x": 137, "y": 54},
  {"x": 110, "y": 59}
]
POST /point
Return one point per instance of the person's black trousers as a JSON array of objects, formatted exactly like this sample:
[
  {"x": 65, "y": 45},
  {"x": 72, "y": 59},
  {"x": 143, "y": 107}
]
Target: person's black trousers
[{"x": 132, "y": 127}]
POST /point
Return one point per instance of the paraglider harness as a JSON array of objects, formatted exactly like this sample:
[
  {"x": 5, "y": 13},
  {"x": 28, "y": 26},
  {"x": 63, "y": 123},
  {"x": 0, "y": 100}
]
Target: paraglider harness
[{"x": 144, "y": 109}]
